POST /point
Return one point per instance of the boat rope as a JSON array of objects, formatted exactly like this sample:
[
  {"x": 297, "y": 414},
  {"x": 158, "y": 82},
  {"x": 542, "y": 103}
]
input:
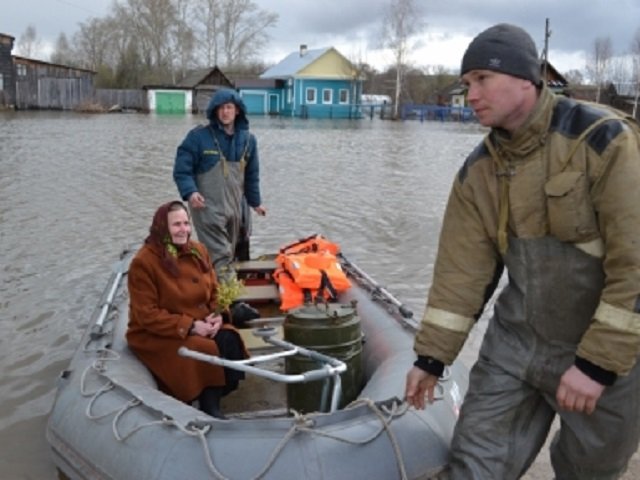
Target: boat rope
[
  {"x": 304, "y": 424},
  {"x": 385, "y": 413},
  {"x": 395, "y": 411}
]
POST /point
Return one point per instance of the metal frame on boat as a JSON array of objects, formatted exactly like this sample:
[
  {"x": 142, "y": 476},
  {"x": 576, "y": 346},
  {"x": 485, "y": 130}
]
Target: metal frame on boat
[{"x": 109, "y": 419}]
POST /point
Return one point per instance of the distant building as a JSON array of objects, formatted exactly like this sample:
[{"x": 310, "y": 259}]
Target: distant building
[
  {"x": 190, "y": 95},
  {"x": 26, "y": 83},
  {"x": 7, "y": 72},
  {"x": 319, "y": 83}
]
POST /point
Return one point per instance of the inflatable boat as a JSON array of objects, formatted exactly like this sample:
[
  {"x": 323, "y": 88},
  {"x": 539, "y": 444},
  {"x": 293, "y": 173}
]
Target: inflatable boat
[{"x": 322, "y": 398}]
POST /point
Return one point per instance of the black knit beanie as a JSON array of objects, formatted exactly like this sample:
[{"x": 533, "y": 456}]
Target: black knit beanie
[{"x": 503, "y": 48}]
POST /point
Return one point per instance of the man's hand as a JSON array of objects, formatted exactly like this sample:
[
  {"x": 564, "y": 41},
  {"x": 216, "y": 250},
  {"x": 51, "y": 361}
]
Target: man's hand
[
  {"x": 260, "y": 210},
  {"x": 577, "y": 392},
  {"x": 419, "y": 383},
  {"x": 196, "y": 200}
]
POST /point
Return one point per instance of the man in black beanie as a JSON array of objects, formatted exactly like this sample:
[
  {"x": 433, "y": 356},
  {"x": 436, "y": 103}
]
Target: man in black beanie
[{"x": 551, "y": 195}]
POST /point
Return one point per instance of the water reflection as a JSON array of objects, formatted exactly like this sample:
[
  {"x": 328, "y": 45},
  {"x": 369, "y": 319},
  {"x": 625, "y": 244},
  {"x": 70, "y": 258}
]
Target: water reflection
[{"x": 75, "y": 189}]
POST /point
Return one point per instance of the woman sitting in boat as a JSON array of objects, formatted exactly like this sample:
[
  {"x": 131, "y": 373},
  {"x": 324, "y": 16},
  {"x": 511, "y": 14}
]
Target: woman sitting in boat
[{"x": 173, "y": 292}]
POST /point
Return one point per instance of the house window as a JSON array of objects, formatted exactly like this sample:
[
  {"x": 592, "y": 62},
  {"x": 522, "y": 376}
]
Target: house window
[
  {"x": 344, "y": 95},
  {"x": 21, "y": 70},
  {"x": 311, "y": 95},
  {"x": 1, "y": 82},
  {"x": 327, "y": 95}
]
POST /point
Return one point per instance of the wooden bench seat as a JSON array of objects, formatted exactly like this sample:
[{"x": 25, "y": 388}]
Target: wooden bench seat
[
  {"x": 260, "y": 293},
  {"x": 255, "y": 266}
]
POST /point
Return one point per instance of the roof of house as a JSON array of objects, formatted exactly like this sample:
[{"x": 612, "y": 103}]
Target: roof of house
[
  {"x": 205, "y": 76},
  {"x": 294, "y": 62},
  {"x": 32, "y": 61},
  {"x": 258, "y": 83}
]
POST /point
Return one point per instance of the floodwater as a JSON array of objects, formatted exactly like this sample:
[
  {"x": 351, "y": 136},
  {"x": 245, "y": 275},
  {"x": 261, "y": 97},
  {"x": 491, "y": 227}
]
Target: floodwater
[{"x": 76, "y": 189}]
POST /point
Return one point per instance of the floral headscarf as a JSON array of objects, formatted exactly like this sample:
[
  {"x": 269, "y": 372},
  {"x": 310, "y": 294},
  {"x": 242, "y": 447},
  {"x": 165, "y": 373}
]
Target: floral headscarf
[{"x": 160, "y": 239}]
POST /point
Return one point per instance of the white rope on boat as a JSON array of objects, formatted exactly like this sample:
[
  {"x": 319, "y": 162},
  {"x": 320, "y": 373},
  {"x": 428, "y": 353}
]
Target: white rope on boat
[
  {"x": 105, "y": 388},
  {"x": 395, "y": 411},
  {"x": 303, "y": 424}
]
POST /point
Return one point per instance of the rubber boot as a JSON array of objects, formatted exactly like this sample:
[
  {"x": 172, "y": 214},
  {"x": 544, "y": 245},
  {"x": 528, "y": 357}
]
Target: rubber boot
[{"x": 210, "y": 401}]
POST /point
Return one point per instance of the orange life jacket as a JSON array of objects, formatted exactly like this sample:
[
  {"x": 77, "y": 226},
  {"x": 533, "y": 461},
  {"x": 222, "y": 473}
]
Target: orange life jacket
[
  {"x": 313, "y": 243},
  {"x": 309, "y": 269}
]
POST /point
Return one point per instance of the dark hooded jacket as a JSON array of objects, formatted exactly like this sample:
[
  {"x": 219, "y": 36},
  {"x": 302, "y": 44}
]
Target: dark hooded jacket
[{"x": 199, "y": 151}]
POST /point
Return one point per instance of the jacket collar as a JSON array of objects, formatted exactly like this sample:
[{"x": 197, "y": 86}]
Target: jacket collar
[{"x": 532, "y": 134}]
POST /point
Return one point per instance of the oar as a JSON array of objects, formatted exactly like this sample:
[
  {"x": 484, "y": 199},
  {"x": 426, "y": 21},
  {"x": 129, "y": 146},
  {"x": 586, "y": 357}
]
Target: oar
[
  {"x": 120, "y": 268},
  {"x": 404, "y": 311}
]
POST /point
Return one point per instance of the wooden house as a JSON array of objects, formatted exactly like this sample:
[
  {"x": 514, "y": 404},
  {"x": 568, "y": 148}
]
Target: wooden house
[
  {"x": 555, "y": 80},
  {"x": 261, "y": 95},
  {"x": 7, "y": 72},
  {"x": 319, "y": 83},
  {"x": 191, "y": 94},
  {"x": 50, "y": 86}
]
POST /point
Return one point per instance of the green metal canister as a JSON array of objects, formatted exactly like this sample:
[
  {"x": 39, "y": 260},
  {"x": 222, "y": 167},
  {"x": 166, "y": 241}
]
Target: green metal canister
[{"x": 330, "y": 329}]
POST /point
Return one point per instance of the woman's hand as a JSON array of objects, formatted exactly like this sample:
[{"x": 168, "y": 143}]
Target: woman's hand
[
  {"x": 215, "y": 323},
  {"x": 203, "y": 329}
]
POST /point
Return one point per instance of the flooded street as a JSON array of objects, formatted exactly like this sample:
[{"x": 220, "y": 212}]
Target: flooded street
[{"x": 77, "y": 189}]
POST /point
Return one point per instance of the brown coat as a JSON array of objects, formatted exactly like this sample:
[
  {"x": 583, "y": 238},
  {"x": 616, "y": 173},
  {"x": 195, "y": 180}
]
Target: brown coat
[{"x": 161, "y": 311}]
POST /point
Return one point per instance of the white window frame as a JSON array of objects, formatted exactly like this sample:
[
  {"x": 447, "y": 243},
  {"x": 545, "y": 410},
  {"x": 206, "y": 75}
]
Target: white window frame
[
  {"x": 1, "y": 82},
  {"x": 345, "y": 92},
  {"x": 313, "y": 98},
  {"x": 21, "y": 70},
  {"x": 326, "y": 101}
]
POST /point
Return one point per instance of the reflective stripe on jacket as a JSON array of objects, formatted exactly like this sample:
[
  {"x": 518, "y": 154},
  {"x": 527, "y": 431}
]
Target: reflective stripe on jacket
[{"x": 582, "y": 191}]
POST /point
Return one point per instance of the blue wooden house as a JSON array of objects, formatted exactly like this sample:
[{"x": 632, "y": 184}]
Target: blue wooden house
[{"x": 318, "y": 83}]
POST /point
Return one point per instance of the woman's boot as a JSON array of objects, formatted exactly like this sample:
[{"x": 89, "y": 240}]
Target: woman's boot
[{"x": 210, "y": 401}]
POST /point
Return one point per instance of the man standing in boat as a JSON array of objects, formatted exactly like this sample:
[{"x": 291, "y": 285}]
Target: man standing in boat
[
  {"x": 217, "y": 171},
  {"x": 552, "y": 195}
]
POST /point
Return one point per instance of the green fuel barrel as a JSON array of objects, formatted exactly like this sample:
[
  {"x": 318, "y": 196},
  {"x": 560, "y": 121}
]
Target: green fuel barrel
[{"x": 330, "y": 329}]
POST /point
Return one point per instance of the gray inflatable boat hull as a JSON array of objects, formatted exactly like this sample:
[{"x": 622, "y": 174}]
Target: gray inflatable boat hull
[{"x": 109, "y": 421}]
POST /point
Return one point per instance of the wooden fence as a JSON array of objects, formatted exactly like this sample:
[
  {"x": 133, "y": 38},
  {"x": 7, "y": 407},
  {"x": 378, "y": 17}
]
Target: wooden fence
[
  {"x": 122, "y": 99},
  {"x": 51, "y": 93}
]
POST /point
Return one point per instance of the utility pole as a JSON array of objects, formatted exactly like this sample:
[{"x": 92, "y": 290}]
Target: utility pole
[{"x": 545, "y": 55}]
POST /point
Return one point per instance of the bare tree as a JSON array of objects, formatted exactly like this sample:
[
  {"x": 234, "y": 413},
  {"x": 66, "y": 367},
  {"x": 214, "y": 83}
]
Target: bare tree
[
  {"x": 148, "y": 26},
  {"x": 598, "y": 62},
  {"x": 63, "y": 54},
  {"x": 29, "y": 44},
  {"x": 184, "y": 40},
  {"x": 232, "y": 32},
  {"x": 574, "y": 77},
  {"x": 207, "y": 30},
  {"x": 94, "y": 42},
  {"x": 402, "y": 22}
]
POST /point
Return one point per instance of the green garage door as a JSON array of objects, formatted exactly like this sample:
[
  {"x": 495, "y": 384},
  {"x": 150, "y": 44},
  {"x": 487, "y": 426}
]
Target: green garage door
[{"x": 170, "y": 102}]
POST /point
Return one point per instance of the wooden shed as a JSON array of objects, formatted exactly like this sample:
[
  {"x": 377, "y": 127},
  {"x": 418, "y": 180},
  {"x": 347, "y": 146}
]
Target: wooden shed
[
  {"x": 50, "y": 86},
  {"x": 191, "y": 94},
  {"x": 204, "y": 83},
  {"x": 7, "y": 72}
]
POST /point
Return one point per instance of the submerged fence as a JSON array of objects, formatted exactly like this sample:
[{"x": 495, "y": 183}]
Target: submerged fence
[{"x": 441, "y": 113}]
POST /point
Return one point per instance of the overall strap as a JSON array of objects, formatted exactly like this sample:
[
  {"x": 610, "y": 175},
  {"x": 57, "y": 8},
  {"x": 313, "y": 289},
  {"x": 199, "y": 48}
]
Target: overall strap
[
  {"x": 583, "y": 136},
  {"x": 223, "y": 159}
]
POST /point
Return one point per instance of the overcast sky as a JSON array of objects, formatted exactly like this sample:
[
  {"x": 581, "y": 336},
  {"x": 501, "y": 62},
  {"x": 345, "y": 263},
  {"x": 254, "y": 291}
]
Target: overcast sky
[{"x": 354, "y": 26}]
